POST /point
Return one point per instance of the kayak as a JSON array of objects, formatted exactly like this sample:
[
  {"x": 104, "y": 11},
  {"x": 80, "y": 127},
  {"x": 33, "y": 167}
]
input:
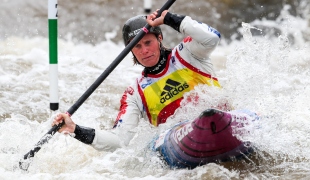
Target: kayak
[{"x": 211, "y": 137}]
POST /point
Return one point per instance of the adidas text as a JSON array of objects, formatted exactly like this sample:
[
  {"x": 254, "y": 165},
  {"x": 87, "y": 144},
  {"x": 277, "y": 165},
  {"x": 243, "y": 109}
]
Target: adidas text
[{"x": 173, "y": 92}]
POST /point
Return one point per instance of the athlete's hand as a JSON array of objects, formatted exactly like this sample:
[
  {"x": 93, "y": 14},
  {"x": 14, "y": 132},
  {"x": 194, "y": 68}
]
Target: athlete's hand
[
  {"x": 153, "y": 21},
  {"x": 69, "y": 125}
]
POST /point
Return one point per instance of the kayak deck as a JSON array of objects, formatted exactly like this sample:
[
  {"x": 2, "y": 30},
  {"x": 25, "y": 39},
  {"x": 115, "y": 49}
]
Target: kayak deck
[{"x": 209, "y": 138}]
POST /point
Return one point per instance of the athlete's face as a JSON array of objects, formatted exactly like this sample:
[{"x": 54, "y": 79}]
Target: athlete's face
[{"x": 147, "y": 50}]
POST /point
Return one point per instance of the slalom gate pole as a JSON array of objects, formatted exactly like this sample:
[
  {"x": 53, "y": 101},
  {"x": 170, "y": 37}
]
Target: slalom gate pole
[
  {"x": 147, "y": 6},
  {"x": 53, "y": 54},
  {"x": 24, "y": 164}
]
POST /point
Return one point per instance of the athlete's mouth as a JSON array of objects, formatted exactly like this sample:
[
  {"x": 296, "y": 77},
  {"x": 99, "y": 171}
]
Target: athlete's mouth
[{"x": 148, "y": 57}]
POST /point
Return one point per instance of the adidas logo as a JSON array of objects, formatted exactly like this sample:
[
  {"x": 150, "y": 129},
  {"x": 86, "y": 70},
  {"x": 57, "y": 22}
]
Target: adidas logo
[{"x": 171, "y": 89}]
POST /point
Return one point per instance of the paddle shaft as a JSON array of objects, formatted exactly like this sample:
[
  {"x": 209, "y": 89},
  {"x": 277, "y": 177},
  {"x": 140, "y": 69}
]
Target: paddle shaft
[{"x": 95, "y": 85}]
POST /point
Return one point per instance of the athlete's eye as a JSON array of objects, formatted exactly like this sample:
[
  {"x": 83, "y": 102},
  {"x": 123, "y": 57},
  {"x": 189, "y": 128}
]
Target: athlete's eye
[
  {"x": 147, "y": 43},
  {"x": 138, "y": 46}
]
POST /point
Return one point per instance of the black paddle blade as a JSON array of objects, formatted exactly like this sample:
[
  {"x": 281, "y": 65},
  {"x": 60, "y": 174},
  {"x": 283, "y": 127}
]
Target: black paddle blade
[{"x": 25, "y": 162}]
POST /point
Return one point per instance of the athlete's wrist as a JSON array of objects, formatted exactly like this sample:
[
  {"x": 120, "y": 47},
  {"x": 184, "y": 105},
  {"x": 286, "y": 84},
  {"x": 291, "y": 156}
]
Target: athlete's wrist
[
  {"x": 84, "y": 134},
  {"x": 173, "y": 20}
]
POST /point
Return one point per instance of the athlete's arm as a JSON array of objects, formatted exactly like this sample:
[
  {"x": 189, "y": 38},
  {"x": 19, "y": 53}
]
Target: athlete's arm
[
  {"x": 199, "y": 42},
  {"x": 121, "y": 135},
  {"x": 99, "y": 139},
  {"x": 125, "y": 125},
  {"x": 203, "y": 38}
]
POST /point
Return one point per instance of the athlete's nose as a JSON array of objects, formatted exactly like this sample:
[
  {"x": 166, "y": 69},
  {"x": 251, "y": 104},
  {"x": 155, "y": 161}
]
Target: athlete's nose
[{"x": 144, "y": 50}]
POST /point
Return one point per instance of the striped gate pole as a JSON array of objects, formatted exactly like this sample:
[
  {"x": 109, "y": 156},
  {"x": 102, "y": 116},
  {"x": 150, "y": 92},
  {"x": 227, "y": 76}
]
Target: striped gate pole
[
  {"x": 147, "y": 6},
  {"x": 53, "y": 54}
]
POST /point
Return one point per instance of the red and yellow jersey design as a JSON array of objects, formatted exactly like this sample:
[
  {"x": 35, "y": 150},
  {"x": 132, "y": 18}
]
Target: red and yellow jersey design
[{"x": 161, "y": 94}]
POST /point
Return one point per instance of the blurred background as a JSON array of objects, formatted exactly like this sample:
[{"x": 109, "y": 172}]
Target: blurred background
[{"x": 98, "y": 20}]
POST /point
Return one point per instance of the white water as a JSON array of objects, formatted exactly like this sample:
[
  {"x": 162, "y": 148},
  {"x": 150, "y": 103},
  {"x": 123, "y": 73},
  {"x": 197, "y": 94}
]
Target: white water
[{"x": 267, "y": 75}]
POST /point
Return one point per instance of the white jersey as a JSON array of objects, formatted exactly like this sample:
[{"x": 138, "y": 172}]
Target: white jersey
[{"x": 194, "y": 52}]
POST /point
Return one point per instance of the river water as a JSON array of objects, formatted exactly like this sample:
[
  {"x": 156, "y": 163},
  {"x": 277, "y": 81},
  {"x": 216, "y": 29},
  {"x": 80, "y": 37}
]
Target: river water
[{"x": 262, "y": 63}]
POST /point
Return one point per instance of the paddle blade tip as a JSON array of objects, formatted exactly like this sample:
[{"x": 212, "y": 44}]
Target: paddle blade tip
[{"x": 24, "y": 164}]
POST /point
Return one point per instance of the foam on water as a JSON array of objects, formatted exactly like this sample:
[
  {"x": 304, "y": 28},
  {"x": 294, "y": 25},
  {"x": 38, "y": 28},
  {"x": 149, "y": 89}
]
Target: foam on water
[{"x": 267, "y": 75}]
